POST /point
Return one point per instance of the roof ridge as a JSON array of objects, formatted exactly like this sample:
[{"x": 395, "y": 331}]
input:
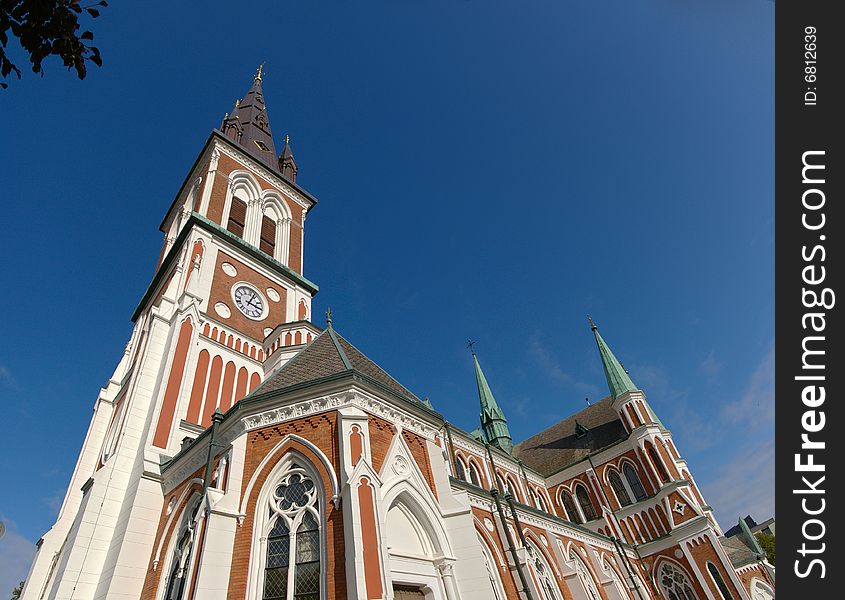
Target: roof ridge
[
  {"x": 337, "y": 346},
  {"x": 376, "y": 365}
]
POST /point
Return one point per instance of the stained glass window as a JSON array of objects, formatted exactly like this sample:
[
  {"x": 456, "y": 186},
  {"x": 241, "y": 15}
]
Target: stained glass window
[
  {"x": 292, "y": 562},
  {"x": 675, "y": 584}
]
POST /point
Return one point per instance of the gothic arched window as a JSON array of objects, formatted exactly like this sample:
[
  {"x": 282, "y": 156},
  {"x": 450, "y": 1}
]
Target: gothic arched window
[
  {"x": 634, "y": 482},
  {"x": 473, "y": 475},
  {"x": 492, "y": 571},
  {"x": 542, "y": 572},
  {"x": 658, "y": 464},
  {"x": 619, "y": 488},
  {"x": 675, "y": 584},
  {"x": 180, "y": 563},
  {"x": 293, "y": 556},
  {"x": 460, "y": 471},
  {"x": 617, "y": 581},
  {"x": 720, "y": 583},
  {"x": 569, "y": 507},
  {"x": 540, "y": 501},
  {"x": 584, "y": 577},
  {"x": 585, "y": 503}
]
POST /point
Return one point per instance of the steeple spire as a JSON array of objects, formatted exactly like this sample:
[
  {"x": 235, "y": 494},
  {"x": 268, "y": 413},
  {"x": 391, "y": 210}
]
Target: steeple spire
[
  {"x": 493, "y": 423},
  {"x": 249, "y": 125},
  {"x": 618, "y": 380}
]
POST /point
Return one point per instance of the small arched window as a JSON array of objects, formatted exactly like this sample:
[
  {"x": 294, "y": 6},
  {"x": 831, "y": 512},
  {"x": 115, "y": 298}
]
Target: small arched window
[
  {"x": 180, "y": 563},
  {"x": 720, "y": 583},
  {"x": 237, "y": 217},
  {"x": 460, "y": 471},
  {"x": 292, "y": 560},
  {"x": 658, "y": 464},
  {"x": 585, "y": 503},
  {"x": 474, "y": 477},
  {"x": 634, "y": 482},
  {"x": 675, "y": 584},
  {"x": 541, "y": 502},
  {"x": 619, "y": 488},
  {"x": 569, "y": 507}
]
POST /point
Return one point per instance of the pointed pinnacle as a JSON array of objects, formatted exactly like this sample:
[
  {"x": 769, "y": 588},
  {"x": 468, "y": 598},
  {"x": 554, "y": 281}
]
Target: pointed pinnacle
[{"x": 590, "y": 321}]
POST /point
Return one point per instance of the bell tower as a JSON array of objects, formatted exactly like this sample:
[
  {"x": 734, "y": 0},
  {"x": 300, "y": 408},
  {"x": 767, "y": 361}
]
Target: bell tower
[{"x": 228, "y": 304}]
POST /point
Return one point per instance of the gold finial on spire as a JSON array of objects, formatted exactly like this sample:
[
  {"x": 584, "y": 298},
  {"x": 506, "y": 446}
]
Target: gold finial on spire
[
  {"x": 287, "y": 139},
  {"x": 258, "y": 73}
]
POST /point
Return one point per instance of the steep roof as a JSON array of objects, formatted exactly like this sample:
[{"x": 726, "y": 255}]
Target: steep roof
[
  {"x": 249, "y": 125},
  {"x": 558, "y": 446},
  {"x": 330, "y": 354},
  {"x": 738, "y": 551},
  {"x": 618, "y": 380}
]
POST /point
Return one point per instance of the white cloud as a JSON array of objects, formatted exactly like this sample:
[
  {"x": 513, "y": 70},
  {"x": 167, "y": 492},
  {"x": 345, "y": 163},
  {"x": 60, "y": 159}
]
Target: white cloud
[
  {"x": 744, "y": 486},
  {"x": 550, "y": 366},
  {"x": 711, "y": 367},
  {"x": 16, "y": 554},
  {"x": 756, "y": 407}
]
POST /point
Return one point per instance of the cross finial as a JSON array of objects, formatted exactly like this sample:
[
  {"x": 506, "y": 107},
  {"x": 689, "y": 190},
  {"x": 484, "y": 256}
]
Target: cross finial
[
  {"x": 329, "y": 317},
  {"x": 590, "y": 321},
  {"x": 470, "y": 345},
  {"x": 258, "y": 73}
]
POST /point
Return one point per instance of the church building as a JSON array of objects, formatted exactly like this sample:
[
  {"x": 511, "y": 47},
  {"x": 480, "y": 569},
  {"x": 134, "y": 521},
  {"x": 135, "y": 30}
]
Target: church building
[{"x": 242, "y": 451}]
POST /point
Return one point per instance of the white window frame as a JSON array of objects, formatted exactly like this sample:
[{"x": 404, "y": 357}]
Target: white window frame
[{"x": 264, "y": 524}]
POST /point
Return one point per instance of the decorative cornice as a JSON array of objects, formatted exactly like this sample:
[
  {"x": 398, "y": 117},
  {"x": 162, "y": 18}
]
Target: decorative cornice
[
  {"x": 265, "y": 173},
  {"x": 194, "y": 457},
  {"x": 356, "y": 398}
]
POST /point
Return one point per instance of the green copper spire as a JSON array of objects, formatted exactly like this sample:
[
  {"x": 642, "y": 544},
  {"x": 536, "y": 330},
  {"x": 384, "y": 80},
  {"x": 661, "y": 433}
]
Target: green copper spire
[
  {"x": 493, "y": 423},
  {"x": 618, "y": 380}
]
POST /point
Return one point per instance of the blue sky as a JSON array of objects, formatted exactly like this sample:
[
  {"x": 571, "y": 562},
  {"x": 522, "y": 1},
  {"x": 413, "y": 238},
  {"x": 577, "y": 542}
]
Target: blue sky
[{"x": 485, "y": 170}]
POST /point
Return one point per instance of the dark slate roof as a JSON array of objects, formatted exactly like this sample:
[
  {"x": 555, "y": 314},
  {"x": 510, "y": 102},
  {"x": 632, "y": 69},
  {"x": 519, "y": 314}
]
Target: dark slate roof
[
  {"x": 330, "y": 354},
  {"x": 557, "y": 447},
  {"x": 738, "y": 551},
  {"x": 249, "y": 125}
]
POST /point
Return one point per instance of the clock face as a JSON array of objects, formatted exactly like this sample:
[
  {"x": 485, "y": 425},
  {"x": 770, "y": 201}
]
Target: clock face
[{"x": 249, "y": 301}]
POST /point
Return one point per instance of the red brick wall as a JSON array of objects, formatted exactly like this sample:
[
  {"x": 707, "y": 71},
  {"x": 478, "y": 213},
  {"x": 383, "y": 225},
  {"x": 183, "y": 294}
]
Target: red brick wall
[
  {"x": 419, "y": 451},
  {"x": 221, "y": 291},
  {"x": 381, "y": 434},
  {"x": 321, "y": 430},
  {"x": 217, "y": 204}
]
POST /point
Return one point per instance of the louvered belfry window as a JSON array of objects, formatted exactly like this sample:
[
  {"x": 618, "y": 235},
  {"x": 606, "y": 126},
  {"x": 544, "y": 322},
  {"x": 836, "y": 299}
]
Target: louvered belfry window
[
  {"x": 268, "y": 236},
  {"x": 237, "y": 217}
]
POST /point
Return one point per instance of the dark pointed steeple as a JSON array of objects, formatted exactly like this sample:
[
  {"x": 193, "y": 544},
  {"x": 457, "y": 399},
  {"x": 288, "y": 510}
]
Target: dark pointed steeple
[
  {"x": 287, "y": 165},
  {"x": 249, "y": 125}
]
